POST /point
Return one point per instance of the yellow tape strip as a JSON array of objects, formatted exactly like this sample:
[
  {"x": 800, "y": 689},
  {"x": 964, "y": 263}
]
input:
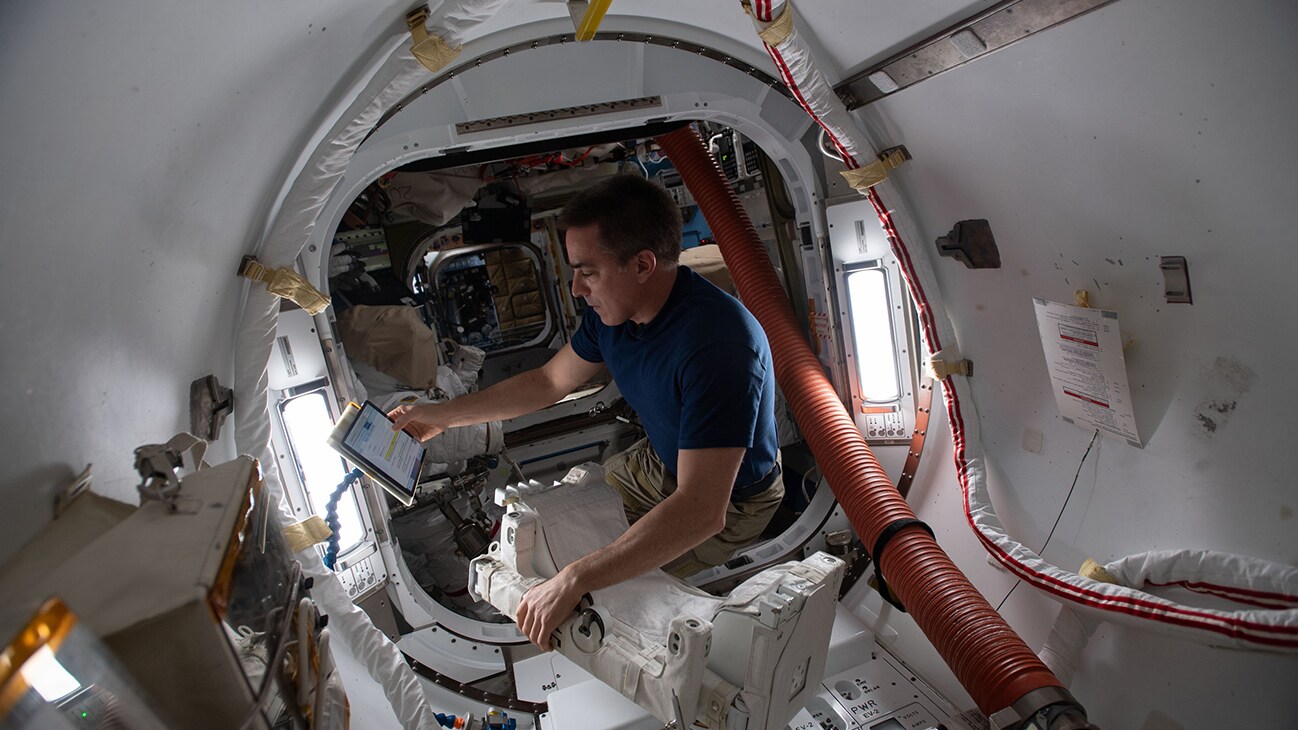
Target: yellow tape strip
[
  {"x": 780, "y": 28},
  {"x": 876, "y": 172},
  {"x": 940, "y": 369},
  {"x": 1095, "y": 571},
  {"x": 431, "y": 51},
  {"x": 591, "y": 20},
  {"x": 285, "y": 283},
  {"x": 308, "y": 532}
]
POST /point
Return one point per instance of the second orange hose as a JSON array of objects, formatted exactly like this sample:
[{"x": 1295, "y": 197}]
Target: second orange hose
[{"x": 986, "y": 655}]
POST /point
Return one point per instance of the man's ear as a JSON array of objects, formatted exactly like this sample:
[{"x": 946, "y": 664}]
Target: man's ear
[{"x": 646, "y": 263}]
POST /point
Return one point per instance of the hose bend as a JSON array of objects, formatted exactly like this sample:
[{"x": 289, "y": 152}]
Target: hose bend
[{"x": 988, "y": 658}]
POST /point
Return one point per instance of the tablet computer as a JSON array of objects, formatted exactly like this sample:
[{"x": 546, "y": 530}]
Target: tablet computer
[{"x": 364, "y": 436}]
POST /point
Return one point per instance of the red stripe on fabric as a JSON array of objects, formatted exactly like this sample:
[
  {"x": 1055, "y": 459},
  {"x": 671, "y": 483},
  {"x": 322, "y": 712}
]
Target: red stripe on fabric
[
  {"x": 1286, "y": 598},
  {"x": 786, "y": 75},
  {"x": 1228, "y": 626},
  {"x": 908, "y": 270},
  {"x": 1079, "y": 594},
  {"x": 1164, "y": 614},
  {"x": 1125, "y": 604},
  {"x": 1217, "y": 624},
  {"x": 1224, "y": 592}
]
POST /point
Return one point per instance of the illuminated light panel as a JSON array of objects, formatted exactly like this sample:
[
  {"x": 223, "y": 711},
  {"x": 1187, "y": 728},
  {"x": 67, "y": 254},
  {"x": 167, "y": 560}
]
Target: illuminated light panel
[
  {"x": 48, "y": 677},
  {"x": 308, "y": 422},
  {"x": 876, "y": 352}
]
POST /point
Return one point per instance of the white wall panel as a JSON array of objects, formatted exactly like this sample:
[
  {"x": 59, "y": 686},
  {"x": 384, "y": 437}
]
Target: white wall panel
[
  {"x": 1143, "y": 129},
  {"x": 141, "y": 148}
]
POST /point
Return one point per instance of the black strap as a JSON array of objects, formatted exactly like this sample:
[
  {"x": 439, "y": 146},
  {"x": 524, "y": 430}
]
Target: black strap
[{"x": 876, "y": 555}]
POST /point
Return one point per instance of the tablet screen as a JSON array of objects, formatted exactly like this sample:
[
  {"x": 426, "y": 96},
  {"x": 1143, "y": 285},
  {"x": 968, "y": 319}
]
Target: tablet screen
[{"x": 396, "y": 454}]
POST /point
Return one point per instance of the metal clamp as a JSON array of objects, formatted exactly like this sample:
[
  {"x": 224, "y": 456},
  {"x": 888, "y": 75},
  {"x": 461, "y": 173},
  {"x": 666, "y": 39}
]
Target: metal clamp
[
  {"x": 157, "y": 466},
  {"x": 1046, "y": 708},
  {"x": 588, "y": 634},
  {"x": 876, "y": 554}
]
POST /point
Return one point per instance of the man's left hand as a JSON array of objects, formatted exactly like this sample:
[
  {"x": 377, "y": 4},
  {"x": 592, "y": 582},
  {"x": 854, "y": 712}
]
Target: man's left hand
[{"x": 546, "y": 606}]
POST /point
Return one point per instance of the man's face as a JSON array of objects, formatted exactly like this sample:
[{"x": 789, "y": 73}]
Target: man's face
[{"x": 608, "y": 288}]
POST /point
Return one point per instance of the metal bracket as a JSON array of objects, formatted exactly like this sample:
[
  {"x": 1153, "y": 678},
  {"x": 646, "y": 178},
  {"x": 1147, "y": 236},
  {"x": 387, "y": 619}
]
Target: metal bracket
[
  {"x": 1064, "y": 710},
  {"x": 417, "y": 17},
  {"x": 69, "y": 494},
  {"x": 157, "y": 466},
  {"x": 971, "y": 243},
  {"x": 209, "y": 404},
  {"x": 1176, "y": 279},
  {"x": 986, "y": 32}
]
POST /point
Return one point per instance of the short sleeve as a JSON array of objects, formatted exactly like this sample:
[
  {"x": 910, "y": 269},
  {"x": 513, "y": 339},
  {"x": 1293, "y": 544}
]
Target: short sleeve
[
  {"x": 721, "y": 394},
  {"x": 585, "y": 341}
]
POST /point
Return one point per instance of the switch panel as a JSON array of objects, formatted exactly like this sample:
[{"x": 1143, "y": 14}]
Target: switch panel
[
  {"x": 881, "y": 694},
  {"x": 885, "y": 426},
  {"x": 362, "y": 578}
]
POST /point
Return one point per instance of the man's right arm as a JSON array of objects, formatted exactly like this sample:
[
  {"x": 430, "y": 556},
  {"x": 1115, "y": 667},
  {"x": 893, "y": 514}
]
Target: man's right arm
[{"x": 523, "y": 393}]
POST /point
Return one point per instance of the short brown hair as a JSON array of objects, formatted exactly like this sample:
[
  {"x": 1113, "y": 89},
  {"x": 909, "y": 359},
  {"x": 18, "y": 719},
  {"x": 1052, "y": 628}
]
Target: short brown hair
[{"x": 633, "y": 215}]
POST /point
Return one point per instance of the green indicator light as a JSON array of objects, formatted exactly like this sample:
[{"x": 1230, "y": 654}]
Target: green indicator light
[{"x": 85, "y": 714}]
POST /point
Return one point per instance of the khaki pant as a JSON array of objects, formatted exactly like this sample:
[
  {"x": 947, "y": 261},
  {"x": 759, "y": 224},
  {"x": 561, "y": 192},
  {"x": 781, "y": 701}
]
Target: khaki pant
[{"x": 639, "y": 475}]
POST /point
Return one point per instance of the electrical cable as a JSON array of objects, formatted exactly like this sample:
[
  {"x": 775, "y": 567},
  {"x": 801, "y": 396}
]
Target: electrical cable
[
  {"x": 1059, "y": 517},
  {"x": 807, "y": 479},
  {"x": 639, "y": 165},
  {"x": 826, "y": 150}
]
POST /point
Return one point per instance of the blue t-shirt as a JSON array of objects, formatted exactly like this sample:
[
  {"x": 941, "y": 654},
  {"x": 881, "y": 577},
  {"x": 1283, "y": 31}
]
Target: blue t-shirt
[{"x": 699, "y": 375}]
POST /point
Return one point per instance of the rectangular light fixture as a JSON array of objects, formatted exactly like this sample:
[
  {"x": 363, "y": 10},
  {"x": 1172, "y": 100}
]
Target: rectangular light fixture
[
  {"x": 872, "y": 336},
  {"x": 307, "y": 422}
]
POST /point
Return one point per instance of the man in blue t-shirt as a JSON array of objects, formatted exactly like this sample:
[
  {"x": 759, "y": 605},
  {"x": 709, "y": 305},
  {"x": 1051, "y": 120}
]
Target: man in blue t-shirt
[{"x": 691, "y": 361}]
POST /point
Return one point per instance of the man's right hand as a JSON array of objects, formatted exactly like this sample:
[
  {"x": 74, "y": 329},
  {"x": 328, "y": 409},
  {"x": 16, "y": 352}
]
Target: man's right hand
[{"x": 423, "y": 421}]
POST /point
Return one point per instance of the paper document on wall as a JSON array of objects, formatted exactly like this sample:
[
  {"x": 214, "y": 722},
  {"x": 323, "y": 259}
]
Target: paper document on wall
[{"x": 1088, "y": 374}]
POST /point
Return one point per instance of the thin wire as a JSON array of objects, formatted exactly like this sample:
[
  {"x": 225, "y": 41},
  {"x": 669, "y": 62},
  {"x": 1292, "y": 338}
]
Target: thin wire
[
  {"x": 1094, "y": 436},
  {"x": 807, "y": 478},
  {"x": 513, "y": 465},
  {"x": 639, "y": 165}
]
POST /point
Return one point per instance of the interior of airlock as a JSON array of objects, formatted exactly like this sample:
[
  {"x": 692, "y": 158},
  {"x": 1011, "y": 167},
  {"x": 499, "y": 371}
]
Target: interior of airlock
[
  {"x": 1085, "y": 146},
  {"x": 456, "y": 262}
]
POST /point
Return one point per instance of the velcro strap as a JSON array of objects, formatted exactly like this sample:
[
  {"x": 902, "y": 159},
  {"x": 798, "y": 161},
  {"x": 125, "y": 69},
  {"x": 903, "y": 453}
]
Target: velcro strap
[
  {"x": 779, "y": 29},
  {"x": 863, "y": 178},
  {"x": 876, "y": 555},
  {"x": 430, "y": 50}
]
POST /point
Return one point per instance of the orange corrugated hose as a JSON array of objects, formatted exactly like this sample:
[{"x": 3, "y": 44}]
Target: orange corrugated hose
[{"x": 986, "y": 655}]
